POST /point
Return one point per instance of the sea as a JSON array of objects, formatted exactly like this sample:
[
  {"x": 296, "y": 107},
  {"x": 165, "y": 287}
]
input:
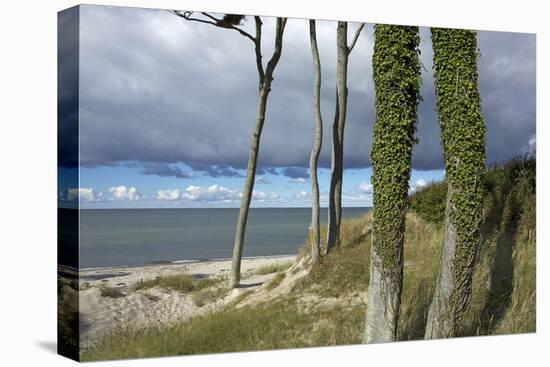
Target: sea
[{"x": 135, "y": 237}]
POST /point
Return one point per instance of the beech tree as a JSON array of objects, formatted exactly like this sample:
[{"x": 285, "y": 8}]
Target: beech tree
[
  {"x": 265, "y": 76},
  {"x": 314, "y": 231},
  {"x": 337, "y": 161},
  {"x": 463, "y": 140},
  {"x": 396, "y": 74}
]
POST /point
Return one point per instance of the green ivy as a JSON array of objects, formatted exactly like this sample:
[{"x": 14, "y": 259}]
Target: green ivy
[
  {"x": 396, "y": 73},
  {"x": 463, "y": 140}
]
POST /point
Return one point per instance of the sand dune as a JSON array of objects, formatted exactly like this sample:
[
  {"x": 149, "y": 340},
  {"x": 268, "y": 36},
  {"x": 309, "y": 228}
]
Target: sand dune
[{"x": 127, "y": 307}]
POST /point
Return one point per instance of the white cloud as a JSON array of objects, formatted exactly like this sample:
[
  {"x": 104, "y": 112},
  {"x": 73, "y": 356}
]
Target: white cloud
[
  {"x": 300, "y": 180},
  {"x": 365, "y": 187},
  {"x": 168, "y": 194},
  {"x": 274, "y": 196},
  {"x": 122, "y": 192},
  {"x": 301, "y": 195},
  {"x": 211, "y": 193},
  {"x": 259, "y": 196},
  {"x": 83, "y": 194},
  {"x": 358, "y": 197},
  {"x": 417, "y": 186},
  {"x": 531, "y": 145}
]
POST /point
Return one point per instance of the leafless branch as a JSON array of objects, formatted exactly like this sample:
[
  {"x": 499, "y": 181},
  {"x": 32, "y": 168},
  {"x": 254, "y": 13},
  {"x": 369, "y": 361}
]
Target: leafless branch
[
  {"x": 355, "y": 37},
  {"x": 187, "y": 15}
]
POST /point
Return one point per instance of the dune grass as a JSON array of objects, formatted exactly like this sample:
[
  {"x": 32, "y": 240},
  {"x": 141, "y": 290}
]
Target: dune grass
[
  {"x": 178, "y": 282},
  {"x": 503, "y": 298},
  {"x": 272, "y": 268},
  {"x": 111, "y": 292}
]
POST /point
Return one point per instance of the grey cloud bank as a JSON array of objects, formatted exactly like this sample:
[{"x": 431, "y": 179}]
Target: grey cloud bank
[{"x": 157, "y": 90}]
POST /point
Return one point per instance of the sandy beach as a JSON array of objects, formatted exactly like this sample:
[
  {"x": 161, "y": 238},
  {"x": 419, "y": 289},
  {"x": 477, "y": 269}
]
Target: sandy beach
[{"x": 129, "y": 306}]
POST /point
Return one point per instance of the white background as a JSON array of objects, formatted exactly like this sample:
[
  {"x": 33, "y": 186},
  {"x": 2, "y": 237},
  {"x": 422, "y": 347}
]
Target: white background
[{"x": 28, "y": 182}]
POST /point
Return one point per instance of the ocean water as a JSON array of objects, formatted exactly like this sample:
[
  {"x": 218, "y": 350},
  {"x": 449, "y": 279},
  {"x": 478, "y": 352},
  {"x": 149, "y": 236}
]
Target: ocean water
[{"x": 130, "y": 237}]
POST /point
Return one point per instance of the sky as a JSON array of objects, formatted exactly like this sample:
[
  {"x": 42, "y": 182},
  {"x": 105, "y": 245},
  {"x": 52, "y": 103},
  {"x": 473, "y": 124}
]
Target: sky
[{"x": 167, "y": 108}]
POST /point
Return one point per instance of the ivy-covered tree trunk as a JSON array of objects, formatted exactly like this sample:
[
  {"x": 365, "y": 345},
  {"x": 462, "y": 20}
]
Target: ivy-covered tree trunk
[
  {"x": 463, "y": 140},
  {"x": 314, "y": 231},
  {"x": 396, "y": 73},
  {"x": 337, "y": 164}
]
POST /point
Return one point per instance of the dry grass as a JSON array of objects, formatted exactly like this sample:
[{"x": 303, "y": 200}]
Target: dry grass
[
  {"x": 178, "y": 282},
  {"x": 272, "y": 268}
]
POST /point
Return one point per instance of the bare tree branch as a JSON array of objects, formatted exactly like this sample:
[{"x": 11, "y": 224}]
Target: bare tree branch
[
  {"x": 187, "y": 15},
  {"x": 258, "y": 49},
  {"x": 280, "y": 28},
  {"x": 355, "y": 37}
]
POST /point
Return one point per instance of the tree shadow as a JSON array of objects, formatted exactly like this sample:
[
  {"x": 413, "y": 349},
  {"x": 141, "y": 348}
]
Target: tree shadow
[
  {"x": 250, "y": 285},
  {"x": 502, "y": 269},
  {"x": 413, "y": 319}
]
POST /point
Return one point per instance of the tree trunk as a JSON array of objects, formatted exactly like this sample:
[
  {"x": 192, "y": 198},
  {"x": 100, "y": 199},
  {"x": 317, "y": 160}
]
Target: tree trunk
[
  {"x": 396, "y": 74},
  {"x": 439, "y": 323},
  {"x": 383, "y": 299},
  {"x": 315, "y": 236},
  {"x": 337, "y": 164},
  {"x": 265, "y": 88},
  {"x": 463, "y": 140}
]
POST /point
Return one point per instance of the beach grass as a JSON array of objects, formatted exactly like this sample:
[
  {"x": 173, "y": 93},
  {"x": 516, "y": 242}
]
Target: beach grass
[
  {"x": 272, "y": 268},
  {"x": 111, "y": 292},
  {"x": 178, "y": 282}
]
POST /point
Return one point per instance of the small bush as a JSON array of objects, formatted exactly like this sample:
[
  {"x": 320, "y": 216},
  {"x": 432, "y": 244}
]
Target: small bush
[
  {"x": 429, "y": 203},
  {"x": 111, "y": 292}
]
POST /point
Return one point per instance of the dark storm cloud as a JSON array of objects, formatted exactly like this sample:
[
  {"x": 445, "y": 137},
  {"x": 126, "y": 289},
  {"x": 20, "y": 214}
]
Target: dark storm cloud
[
  {"x": 165, "y": 170},
  {"x": 295, "y": 172},
  {"x": 67, "y": 88},
  {"x": 216, "y": 170},
  {"x": 158, "y": 89}
]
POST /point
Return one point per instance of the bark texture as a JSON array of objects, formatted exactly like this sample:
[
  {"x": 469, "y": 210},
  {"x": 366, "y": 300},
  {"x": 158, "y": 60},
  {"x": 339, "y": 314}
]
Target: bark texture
[
  {"x": 265, "y": 88},
  {"x": 439, "y": 323},
  {"x": 463, "y": 140},
  {"x": 337, "y": 162},
  {"x": 396, "y": 73},
  {"x": 314, "y": 231}
]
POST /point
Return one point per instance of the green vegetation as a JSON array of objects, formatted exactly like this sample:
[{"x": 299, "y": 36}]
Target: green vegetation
[
  {"x": 396, "y": 74},
  {"x": 178, "y": 282},
  {"x": 111, "y": 292},
  {"x": 507, "y": 260},
  {"x": 463, "y": 140},
  {"x": 429, "y": 203},
  {"x": 326, "y": 307},
  {"x": 272, "y": 268}
]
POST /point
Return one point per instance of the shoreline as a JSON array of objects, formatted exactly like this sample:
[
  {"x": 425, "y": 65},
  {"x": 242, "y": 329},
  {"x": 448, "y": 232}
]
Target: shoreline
[{"x": 170, "y": 262}]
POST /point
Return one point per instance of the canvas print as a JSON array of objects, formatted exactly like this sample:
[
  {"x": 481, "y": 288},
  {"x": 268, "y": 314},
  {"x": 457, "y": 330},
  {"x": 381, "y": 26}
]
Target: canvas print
[{"x": 234, "y": 183}]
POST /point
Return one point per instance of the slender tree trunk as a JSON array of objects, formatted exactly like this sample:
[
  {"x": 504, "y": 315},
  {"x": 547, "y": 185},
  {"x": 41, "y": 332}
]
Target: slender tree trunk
[
  {"x": 265, "y": 88},
  {"x": 314, "y": 231},
  {"x": 335, "y": 191},
  {"x": 396, "y": 73},
  {"x": 463, "y": 140}
]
